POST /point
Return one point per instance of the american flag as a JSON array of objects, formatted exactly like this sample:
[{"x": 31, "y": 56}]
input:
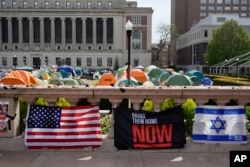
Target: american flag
[{"x": 54, "y": 127}]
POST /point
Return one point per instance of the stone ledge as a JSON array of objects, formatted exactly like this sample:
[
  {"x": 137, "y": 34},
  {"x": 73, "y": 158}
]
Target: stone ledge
[{"x": 17, "y": 144}]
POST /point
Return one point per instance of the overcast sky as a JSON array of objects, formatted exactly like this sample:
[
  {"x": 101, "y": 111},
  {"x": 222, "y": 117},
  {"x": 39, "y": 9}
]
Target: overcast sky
[{"x": 161, "y": 14}]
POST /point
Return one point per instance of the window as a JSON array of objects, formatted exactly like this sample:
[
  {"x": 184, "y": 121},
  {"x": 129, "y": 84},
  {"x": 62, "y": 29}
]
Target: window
[
  {"x": 136, "y": 40},
  {"x": 57, "y": 4},
  {"x": 99, "y": 61},
  {"x": 210, "y": 8},
  {"x": 78, "y": 5},
  {"x": 243, "y": 1},
  {"x": 14, "y": 4},
  {"x": 227, "y": 1},
  {"x": 68, "y": 29},
  {"x": 219, "y": 8},
  {"x": 46, "y": 4},
  {"x": 219, "y": 1},
  {"x": 136, "y": 20},
  {"x": 221, "y": 19},
  {"x": 89, "y": 5},
  {"x": 15, "y": 33},
  {"x": 25, "y": 30},
  {"x": 202, "y": 14},
  {"x": 211, "y": 1},
  {"x": 35, "y": 4},
  {"x": 110, "y": 5},
  {"x": 68, "y": 61},
  {"x": 58, "y": 61},
  {"x": 79, "y": 31},
  {"x": 110, "y": 30},
  {"x": 3, "y": 4},
  {"x": 36, "y": 28},
  {"x": 99, "y": 5},
  {"x": 236, "y": 1},
  {"x": 78, "y": 61},
  {"x": 89, "y": 61},
  {"x": 47, "y": 30},
  {"x": 235, "y": 8},
  {"x": 136, "y": 62},
  {"x": 109, "y": 62},
  {"x": 203, "y": 8},
  {"x": 4, "y": 61},
  {"x": 15, "y": 60},
  {"x": 25, "y": 4},
  {"x": 227, "y": 8},
  {"x": 243, "y": 8},
  {"x": 243, "y": 14},
  {"x": 99, "y": 30},
  {"x": 58, "y": 30},
  {"x": 68, "y": 5},
  {"x": 205, "y": 33},
  {"x": 203, "y": 1}
]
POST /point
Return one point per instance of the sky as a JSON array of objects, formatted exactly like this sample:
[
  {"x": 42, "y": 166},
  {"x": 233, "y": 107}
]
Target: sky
[{"x": 162, "y": 10}]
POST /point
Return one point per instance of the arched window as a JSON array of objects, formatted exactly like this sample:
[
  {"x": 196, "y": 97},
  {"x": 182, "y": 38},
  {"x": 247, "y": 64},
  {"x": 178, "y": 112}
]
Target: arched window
[{"x": 136, "y": 40}]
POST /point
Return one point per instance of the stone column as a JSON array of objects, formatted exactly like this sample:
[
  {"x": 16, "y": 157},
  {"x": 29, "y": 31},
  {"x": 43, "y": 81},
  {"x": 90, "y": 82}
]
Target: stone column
[
  {"x": 73, "y": 33},
  {"x": 41, "y": 33},
  {"x": 31, "y": 34},
  {"x": 52, "y": 33},
  {"x": 84, "y": 33},
  {"x": 63, "y": 34},
  {"x": 20, "y": 32},
  {"x": 94, "y": 33},
  {"x": 104, "y": 34},
  {"x": 10, "y": 39},
  {"x": 1, "y": 44}
]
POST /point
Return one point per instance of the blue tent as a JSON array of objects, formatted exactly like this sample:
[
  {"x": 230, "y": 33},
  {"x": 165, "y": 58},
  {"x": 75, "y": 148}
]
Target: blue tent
[
  {"x": 195, "y": 73},
  {"x": 67, "y": 68}
]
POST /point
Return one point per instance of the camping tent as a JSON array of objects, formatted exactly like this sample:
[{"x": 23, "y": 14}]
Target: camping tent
[
  {"x": 139, "y": 75},
  {"x": 19, "y": 77},
  {"x": 68, "y": 69},
  {"x": 153, "y": 71},
  {"x": 179, "y": 80},
  {"x": 107, "y": 79},
  {"x": 195, "y": 73},
  {"x": 122, "y": 82}
]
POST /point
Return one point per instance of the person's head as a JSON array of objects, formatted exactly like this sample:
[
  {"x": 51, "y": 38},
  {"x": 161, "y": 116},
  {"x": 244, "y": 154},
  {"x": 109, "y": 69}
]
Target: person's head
[{"x": 4, "y": 108}]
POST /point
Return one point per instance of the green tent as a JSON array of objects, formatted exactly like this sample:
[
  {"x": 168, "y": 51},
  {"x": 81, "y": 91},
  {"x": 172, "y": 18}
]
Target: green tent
[{"x": 179, "y": 80}]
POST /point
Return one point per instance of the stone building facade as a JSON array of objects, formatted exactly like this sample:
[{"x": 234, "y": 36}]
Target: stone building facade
[{"x": 84, "y": 33}]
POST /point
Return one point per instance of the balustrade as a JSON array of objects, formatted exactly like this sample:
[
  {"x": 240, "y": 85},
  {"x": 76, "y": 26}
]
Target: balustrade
[{"x": 201, "y": 95}]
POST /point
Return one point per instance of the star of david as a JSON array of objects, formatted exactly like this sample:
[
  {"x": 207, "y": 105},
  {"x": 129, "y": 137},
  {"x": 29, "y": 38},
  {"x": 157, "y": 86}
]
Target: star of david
[{"x": 218, "y": 124}]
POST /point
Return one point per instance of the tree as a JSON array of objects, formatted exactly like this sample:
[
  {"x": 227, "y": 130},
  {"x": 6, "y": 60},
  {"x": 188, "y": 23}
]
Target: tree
[
  {"x": 165, "y": 32},
  {"x": 228, "y": 41}
]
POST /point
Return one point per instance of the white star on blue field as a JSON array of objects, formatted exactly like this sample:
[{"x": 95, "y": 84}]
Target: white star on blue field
[{"x": 218, "y": 124}]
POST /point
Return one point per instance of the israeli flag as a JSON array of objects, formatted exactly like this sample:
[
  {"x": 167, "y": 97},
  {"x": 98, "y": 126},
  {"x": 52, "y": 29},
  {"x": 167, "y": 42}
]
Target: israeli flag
[{"x": 220, "y": 124}]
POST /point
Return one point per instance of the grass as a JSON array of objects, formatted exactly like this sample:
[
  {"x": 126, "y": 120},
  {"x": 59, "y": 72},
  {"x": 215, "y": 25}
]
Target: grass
[{"x": 90, "y": 82}]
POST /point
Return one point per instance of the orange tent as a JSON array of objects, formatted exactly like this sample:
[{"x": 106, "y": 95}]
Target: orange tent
[
  {"x": 19, "y": 77},
  {"x": 138, "y": 75},
  {"x": 107, "y": 79}
]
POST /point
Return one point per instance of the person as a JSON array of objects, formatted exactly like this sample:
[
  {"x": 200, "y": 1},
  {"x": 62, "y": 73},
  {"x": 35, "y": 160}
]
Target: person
[
  {"x": 3, "y": 118},
  {"x": 4, "y": 109}
]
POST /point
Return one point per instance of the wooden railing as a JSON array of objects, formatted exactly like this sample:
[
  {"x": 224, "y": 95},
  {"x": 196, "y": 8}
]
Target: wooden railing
[{"x": 201, "y": 95}]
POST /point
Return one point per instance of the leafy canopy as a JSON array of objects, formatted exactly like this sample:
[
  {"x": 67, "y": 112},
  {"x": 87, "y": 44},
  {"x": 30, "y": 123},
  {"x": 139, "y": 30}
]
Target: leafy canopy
[{"x": 228, "y": 41}]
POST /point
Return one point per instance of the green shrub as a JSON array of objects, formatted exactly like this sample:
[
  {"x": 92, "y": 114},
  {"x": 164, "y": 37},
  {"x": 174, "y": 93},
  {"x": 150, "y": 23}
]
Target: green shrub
[
  {"x": 23, "y": 113},
  {"x": 105, "y": 123},
  {"x": 62, "y": 102},
  {"x": 41, "y": 102},
  {"x": 167, "y": 103},
  {"x": 189, "y": 111}
]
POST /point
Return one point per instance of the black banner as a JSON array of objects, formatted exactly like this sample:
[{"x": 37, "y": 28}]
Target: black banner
[{"x": 149, "y": 130}]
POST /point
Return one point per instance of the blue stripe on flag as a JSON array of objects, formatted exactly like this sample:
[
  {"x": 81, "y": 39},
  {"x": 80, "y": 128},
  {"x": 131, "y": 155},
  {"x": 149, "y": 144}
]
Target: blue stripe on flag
[
  {"x": 219, "y": 111},
  {"x": 235, "y": 138}
]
